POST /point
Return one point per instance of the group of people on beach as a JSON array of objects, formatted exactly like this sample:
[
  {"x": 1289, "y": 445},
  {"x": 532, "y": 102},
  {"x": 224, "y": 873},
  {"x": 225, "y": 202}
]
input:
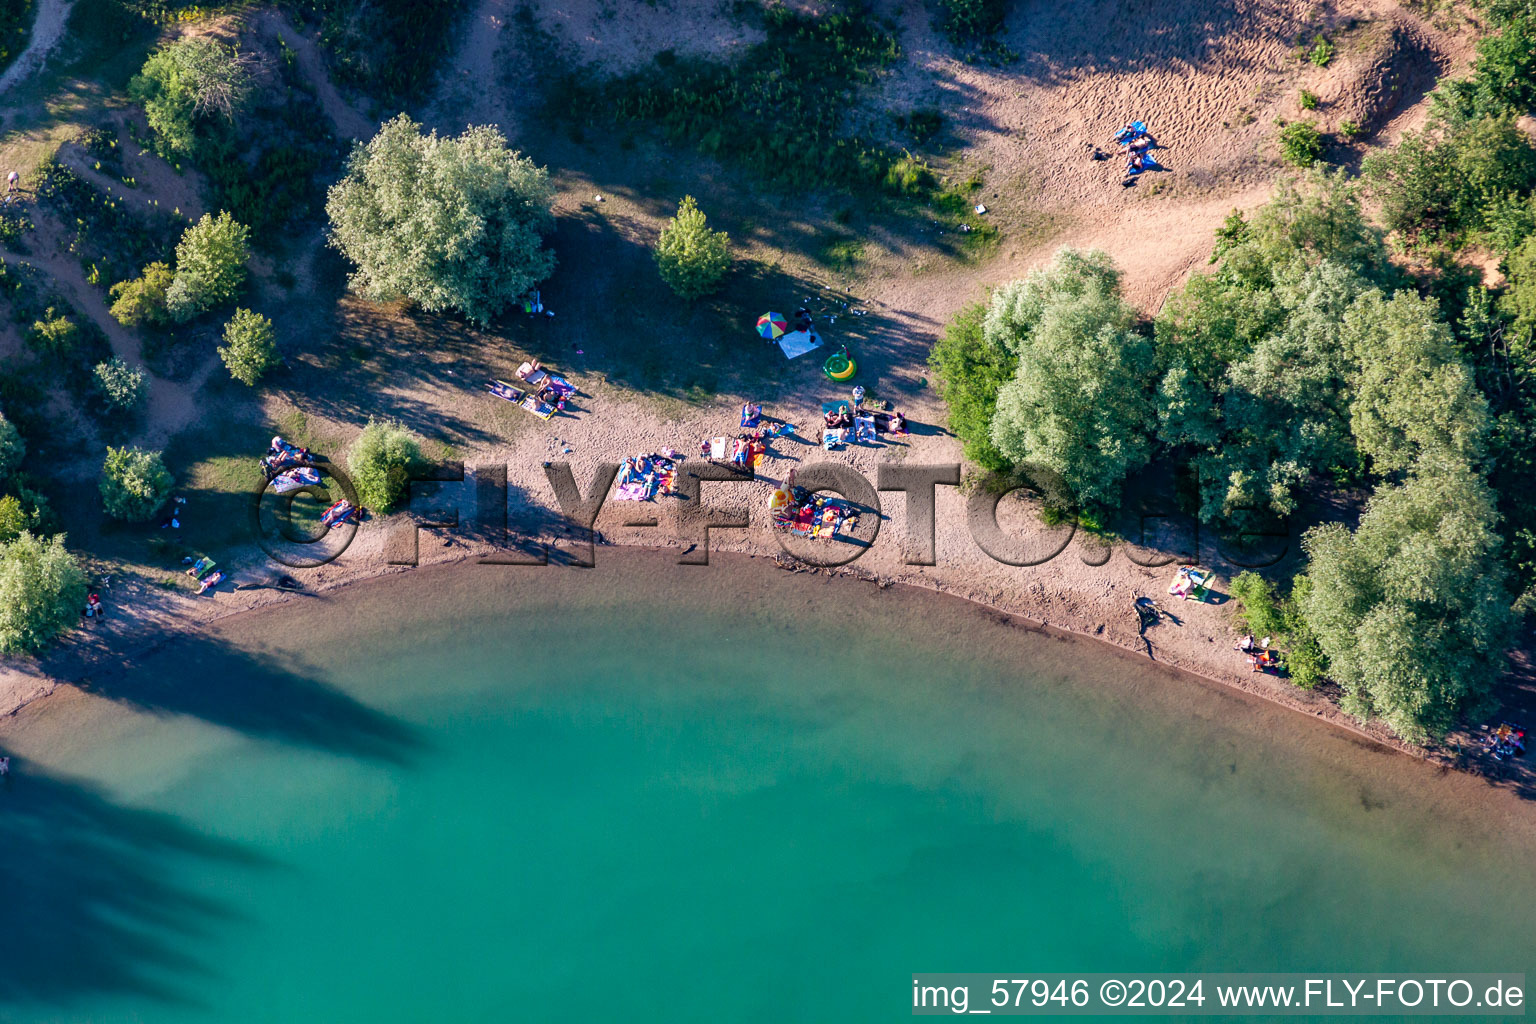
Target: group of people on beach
[
  {"x": 1504, "y": 742},
  {"x": 1259, "y": 654}
]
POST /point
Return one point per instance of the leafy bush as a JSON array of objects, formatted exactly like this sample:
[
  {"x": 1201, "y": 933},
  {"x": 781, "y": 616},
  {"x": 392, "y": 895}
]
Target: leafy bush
[
  {"x": 1301, "y": 144},
  {"x": 1308, "y": 100},
  {"x": 380, "y": 462},
  {"x": 121, "y": 386},
  {"x": 210, "y": 265},
  {"x": 1259, "y": 604},
  {"x": 55, "y": 334},
  {"x": 142, "y": 301},
  {"x": 1350, "y": 130},
  {"x": 797, "y": 84},
  {"x": 185, "y": 80},
  {"x": 691, "y": 258},
  {"x": 969, "y": 370},
  {"x": 12, "y": 448},
  {"x": 13, "y": 518},
  {"x": 41, "y": 592},
  {"x": 134, "y": 484},
  {"x": 1321, "y": 52},
  {"x": 448, "y": 223},
  {"x": 249, "y": 348},
  {"x": 1448, "y": 182}
]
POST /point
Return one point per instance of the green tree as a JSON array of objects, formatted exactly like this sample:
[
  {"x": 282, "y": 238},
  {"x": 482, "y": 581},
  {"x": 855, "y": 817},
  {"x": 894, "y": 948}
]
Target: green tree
[
  {"x": 969, "y": 370},
  {"x": 134, "y": 484},
  {"x": 41, "y": 592},
  {"x": 55, "y": 333},
  {"x": 380, "y": 463},
  {"x": 142, "y": 300},
  {"x": 210, "y": 265},
  {"x": 12, "y": 448},
  {"x": 121, "y": 386},
  {"x": 1453, "y": 179},
  {"x": 1079, "y": 403},
  {"x": 1410, "y": 609},
  {"x": 249, "y": 348},
  {"x": 691, "y": 258},
  {"x": 1413, "y": 398},
  {"x": 186, "y": 80},
  {"x": 447, "y": 223}
]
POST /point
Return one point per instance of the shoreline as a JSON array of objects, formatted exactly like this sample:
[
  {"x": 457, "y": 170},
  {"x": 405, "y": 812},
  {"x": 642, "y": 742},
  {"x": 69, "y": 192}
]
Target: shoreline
[{"x": 1313, "y": 707}]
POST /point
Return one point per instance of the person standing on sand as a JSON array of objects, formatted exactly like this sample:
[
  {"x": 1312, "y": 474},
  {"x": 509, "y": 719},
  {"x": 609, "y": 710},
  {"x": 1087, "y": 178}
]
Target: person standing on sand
[
  {"x": 11, "y": 181},
  {"x": 5, "y": 767}
]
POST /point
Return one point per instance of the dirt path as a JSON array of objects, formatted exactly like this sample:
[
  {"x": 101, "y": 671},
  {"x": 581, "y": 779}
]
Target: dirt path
[
  {"x": 348, "y": 121},
  {"x": 47, "y": 30}
]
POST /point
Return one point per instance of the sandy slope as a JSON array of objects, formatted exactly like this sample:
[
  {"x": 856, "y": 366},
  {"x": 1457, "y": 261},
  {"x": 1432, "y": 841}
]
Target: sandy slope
[{"x": 47, "y": 29}]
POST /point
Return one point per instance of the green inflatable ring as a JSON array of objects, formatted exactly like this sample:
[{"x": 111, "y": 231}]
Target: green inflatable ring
[{"x": 840, "y": 366}]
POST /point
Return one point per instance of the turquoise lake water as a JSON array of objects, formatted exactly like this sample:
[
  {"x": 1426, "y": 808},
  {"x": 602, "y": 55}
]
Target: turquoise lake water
[{"x": 644, "y": 793}]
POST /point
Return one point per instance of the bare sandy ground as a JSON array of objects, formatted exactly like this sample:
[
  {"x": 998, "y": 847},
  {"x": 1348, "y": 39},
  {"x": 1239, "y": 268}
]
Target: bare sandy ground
[{"x": 47, "y": 30}]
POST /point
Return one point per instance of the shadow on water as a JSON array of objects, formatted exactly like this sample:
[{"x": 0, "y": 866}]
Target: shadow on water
[
  {"x": 255, "y": 695},
  {"x": 92, "y": 904}
]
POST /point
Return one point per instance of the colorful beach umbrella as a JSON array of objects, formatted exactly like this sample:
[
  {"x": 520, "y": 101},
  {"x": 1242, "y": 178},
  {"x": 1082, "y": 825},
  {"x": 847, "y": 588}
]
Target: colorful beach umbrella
[{"x": 771, "y": 325}]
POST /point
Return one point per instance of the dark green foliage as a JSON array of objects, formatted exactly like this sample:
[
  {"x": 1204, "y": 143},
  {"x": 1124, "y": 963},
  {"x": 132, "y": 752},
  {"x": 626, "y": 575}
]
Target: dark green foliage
[
  {"x": 1503, "y": 79},
  {"x": 780, "y": 110},
  {"x": 973, "y": 23},
  {"x": 969, "y": 372},
  {"x": 15, "y": 26},
  {"x": 1447, "y": 183},
  {"x": 1301, "y": 144},
  {"x": 391, "y": 48}
]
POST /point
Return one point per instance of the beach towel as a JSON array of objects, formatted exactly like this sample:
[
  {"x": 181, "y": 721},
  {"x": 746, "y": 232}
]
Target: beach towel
[
  {"x": 295, "y": 479},
  {"x": 798, "y": 343},
  {"x": 1131, "y": 130},
  {"x": 338, "y": 513},
  {"x": 831, "y": 439},
  {"x": 635, "y": 490},
  {"x": 719, "y": 447},
  {"x": 803, "y": 522},
  {"x": 201, "y": 567},
  {"x": 864, "y": 428},
  {"x": 210, "y": 582},
  {"x": 750, "y": 416}
]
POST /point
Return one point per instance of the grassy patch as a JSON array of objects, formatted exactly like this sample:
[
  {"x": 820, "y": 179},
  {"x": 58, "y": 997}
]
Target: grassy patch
[{"x": 840, "y": 252}]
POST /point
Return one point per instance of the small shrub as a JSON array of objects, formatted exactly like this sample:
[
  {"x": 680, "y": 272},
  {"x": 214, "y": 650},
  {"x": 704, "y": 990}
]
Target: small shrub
[
  {"x": 1259, "y": 605},
  {"x": 249, "y": 350},
  {"x": 1321, "y": 52},
  {"x": 142, "y": 301},
  {"x": 1308, "y": 100},
  {"x": 921, "y": 125},
  {"x": 55, "y": 334},
  {"x": 41, "y": 592},
  {"x": 121, "y": 386},
  {"x": 690, "y": 257},
  {"x": 210, "y": 265},
  {"x": 1350, "y": 130},
  {"x": 908, "y": 176},
  {"x": 1301, "y": 144},
  {"x": 380, "y": 462},
  {"x": 134, "y": 484}
]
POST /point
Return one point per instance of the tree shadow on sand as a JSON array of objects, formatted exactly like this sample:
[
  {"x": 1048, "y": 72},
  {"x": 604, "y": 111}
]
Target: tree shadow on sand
[{"x": 92, "y": 903}]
